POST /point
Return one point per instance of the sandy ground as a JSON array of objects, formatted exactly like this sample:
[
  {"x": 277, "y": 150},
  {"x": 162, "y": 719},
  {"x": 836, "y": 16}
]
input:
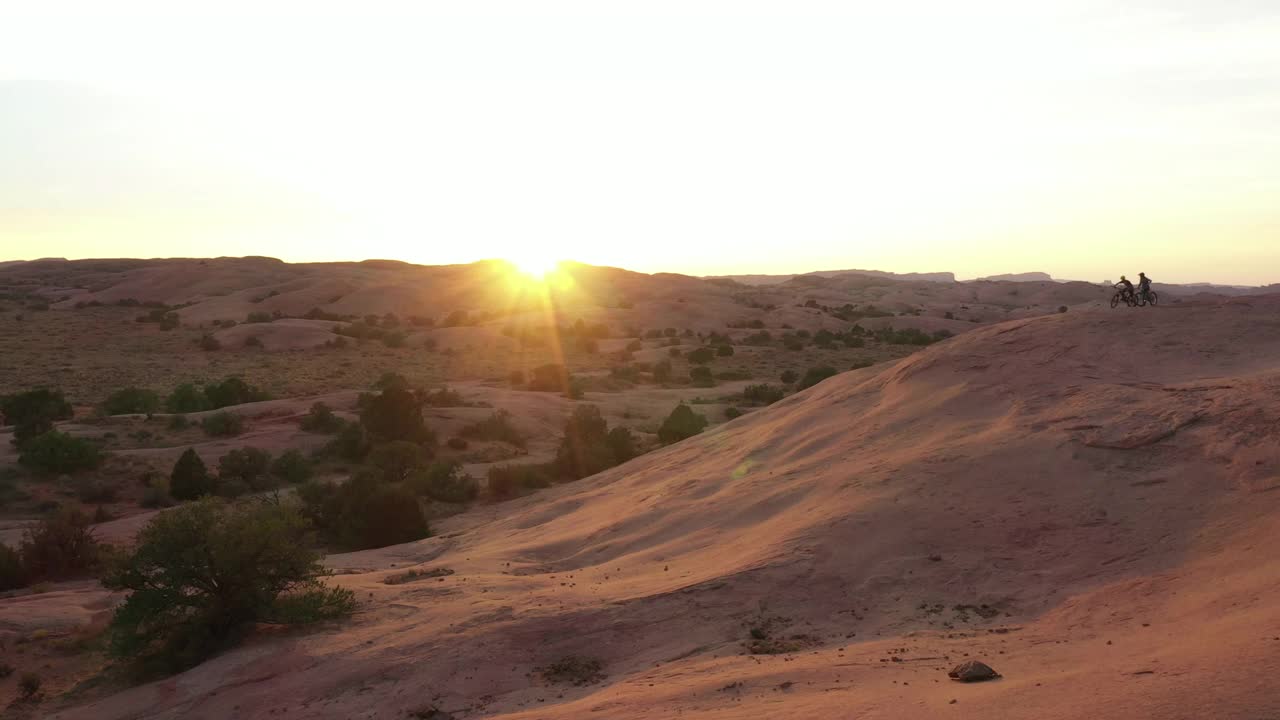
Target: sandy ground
[{"x": 1086, "y": 501}]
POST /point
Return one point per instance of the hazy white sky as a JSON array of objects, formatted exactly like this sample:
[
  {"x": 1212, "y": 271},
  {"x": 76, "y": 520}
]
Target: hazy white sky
[{"x": 1079, "y": 138}]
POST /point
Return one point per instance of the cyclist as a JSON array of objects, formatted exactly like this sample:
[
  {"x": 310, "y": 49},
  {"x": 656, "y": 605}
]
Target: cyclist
[
  {"x": 1144, "y": 287},
  {"x": 1125, "y": 287}
]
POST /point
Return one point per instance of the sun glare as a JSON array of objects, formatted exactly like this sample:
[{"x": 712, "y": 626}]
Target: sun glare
[{"x": 535, "y": 266}]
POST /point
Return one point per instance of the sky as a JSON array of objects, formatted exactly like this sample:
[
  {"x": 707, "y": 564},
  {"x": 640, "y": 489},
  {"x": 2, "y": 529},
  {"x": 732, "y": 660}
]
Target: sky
[{"x": 1085, "y": 139}]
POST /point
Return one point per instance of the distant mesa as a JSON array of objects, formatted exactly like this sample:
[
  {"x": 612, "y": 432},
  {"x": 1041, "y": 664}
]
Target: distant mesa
[{"x": 1019, "y": 277}]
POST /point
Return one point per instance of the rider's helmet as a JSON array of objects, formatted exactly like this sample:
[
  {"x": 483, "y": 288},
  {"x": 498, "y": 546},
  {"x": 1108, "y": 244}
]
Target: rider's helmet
[
  {"x": 1123, "y": 278},
  {"x": 1142, "y": 274}
]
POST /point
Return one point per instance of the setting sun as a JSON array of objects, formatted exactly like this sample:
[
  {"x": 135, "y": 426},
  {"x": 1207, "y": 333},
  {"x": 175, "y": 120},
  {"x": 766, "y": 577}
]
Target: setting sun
[{"x": 535, "y": 266}]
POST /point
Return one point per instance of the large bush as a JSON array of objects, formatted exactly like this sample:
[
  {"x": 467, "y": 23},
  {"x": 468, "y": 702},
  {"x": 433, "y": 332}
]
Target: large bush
[
  {"x": 320, "y": 419},
  {"x": 245, "y": 467},
  {"x": 204, "y": 573},
  {"x": 12, "y": 574},
  {"x": 395, "y": 414},
  {"x": 507, "y": 480},
  {"x": 292, "y": 467},
  {"x": 131, "y": 400},
  {"x": 56, "y": 452},
  {"x": 682, "y": 423},
  {"x": 398, "y": 459},
  {"x": 365, "y": 512},
  {"x": 444, "y": 482},
  {"x": 233, "y": 391},
  {"x": 763, "y": 394},
  {"x": 186, "y": 398},
  {"x": 190, "y": 478},
  {"x": 497, "y": 426},
  {"x": 33, "y": 413},
  {"x": 815, "y": 375},
  {"x": 589, "y": 447},
  {"x": 223, "y": 424},
  {"x": 60, "y": 545},
  {"x": 701, "y": 356}
]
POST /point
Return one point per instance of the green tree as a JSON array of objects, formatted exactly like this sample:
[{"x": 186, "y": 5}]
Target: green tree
[
  {"x": 186, "y": 398},
  {"x": 815, "y": 375},
  {"x": 320, "y": 419},
  {"x": 60, "y": 545},
  {"x": 395, "y": 414},
  {"x": 444, "y": 482},
  {"x": 398, "y": 459},
  {"x": 682, "y": 423},
  {"x": 204, "y": 573},
  {"x": 131, "y": 400},
  {"x": 190, "y": 478},
  {"x": 292, "y": 467},
  {"x": 56, "y": 452},
  {"x": 32, "y": 413},
  {"x": 701, "y": 356},
  {"x": 249, "y": 466}
]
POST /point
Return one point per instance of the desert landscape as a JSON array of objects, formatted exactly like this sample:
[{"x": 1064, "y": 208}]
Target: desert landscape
[
  {"x": 881, "y": 477},
  {"x": 697, "y": 360}
]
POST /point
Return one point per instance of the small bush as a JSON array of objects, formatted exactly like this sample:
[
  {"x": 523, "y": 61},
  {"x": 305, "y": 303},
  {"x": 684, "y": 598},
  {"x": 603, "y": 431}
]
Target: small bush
[
  {"x": 189, "y": 478},
  {"x": 95, "y": 491},
  {"x": 732, "y": 412},
  {"x": 351, "y": 443},
  {"x": 364, "y": 513},
  {"x": 12, "y": 573},
  {"x": 662, "y": 371},
  {"x": 496, "y": 427},
  {"x": 29, "y": 685},
  {"x": 209, "y": 343},
  {"x": 178, "y": 423},
  {"x": 573, "y": 670},
  {"x": 131, "y": 400},
  {"x": 682, "y": 423},
  {"x": 223, "y": 424},
  {"x": 60, "y": 545},
  {"x": 33, "y": 413},
  {"x": 320, "y": 419},
  {"x": 258, "y": 316},
  {"x": 248, "y": 466},
  {"x": 702, "y": 376},
  {"x": 56, "y": 452},
  {"x": 457, "y": 443},
  {"x": 232, "y": 391},
  {"x": 204, "y": 573},
  {"x": 186, "y": 398},
  {"x": 292, "y": 467},
  {"x": 724, "y": 350},
  {"x": 701, "y": 356},
  {"x": 507, "y": 480},
  {"x": 444, "y": 482},
  {"x": 395, "y": 414},
  {"x": 815, "y": 375},
  {"x": 398, "y": 459},
  {"x": 763, "y": 394}
]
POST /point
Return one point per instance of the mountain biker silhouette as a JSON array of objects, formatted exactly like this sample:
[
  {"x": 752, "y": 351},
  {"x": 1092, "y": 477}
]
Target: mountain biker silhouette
[
  {"x": 1125, "y": 287},
  {"x": 1144, "y": 286}
]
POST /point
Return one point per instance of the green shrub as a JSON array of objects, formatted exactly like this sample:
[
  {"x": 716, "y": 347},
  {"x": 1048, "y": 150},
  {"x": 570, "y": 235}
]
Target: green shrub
[
  {"x": 292, "y": 467},
  {"x": 94, "y": 491},
  {"x": 351, "y": 443},
  {"x": 662, "y": 371},
  {"x": 507, "y": 480},
  {"x": 442, "y": 398},
  {"x": 549, "y": 378},
  {"x": 702, "y": 376},
  {"x": 179, "y": 423},
  {"x": 233, "y": 391},
  {"x": 585, "y": 449},
  {"x": 398, "y": 459},
  {"x": 189, "y": 478},
  {"x": 203, "y": 574},
  {"x": 56, "y": 452},
  {"x": 682, "y": 423},
  {"x": 186, "y": 398},
  {"x": 496, "y": 427},
  {"x": 815, "y": 375},
  {"x": 763, "y": 394},
  {"x": 320, "y": 419},
  {"x": 363, "y": 513},
  {"x": 209, "y": 343},
  {"x": 395, "y": 414},
  {"x": 258, "y": 316},
  {"x": 131, "y": 400},
  {"x": 249, "y": 466},
  {"x": 701, "y": 356},
  {"x": 12, "y": 573},
  {"x": 223, "y": 424},
  {"x": 444, "y": 482},
  {"x": 32, "y": 413},
  {"x": 29, "y": 685},
  {"x": 724, "y": 350},
  {"x": 732, "y": 412},
  {"x": 58, "y": 546}
]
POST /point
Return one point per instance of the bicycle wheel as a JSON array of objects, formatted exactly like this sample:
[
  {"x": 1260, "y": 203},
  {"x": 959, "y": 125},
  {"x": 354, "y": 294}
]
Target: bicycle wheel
[
  {"x": 1115, "y": 300},
  {"x": 1152, "y": 298}
]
